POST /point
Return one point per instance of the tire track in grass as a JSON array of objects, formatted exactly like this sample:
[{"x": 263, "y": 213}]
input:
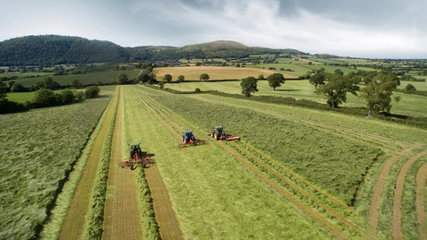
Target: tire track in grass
[
  {"x": 121, "y": 214},
  {"x": 72, "y": 227},
  {"x": 398, "y": 192},
  {"x": 163, "y": 209},
  {"x": 420, "y": 208},
  {"x": 265, "y": 178},
  {"x": 376, "y": 196}
]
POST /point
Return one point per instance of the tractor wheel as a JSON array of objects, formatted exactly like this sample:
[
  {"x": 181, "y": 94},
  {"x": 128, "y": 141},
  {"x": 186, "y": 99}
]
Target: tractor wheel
[{"x": 132, "y": 167}]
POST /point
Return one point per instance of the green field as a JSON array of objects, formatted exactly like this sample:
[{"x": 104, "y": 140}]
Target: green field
[
  {"x": 37, "y": 149},
  {"x": 89, "y": 78},
  {"x": 410, "y": 105}
]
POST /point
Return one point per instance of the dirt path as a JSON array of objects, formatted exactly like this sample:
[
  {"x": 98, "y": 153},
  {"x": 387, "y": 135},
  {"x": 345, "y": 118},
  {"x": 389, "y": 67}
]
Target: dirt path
[
  {"x": 73, "y": 225},
  {"x": 376, "y": 198},
  {"x": 398, "y": 192},
  {"x": 274, "y": 185},
  {"x": 121, "y": 215},
  {"x": 420, "y": 208},
  {"x": 163, "y": 209}
]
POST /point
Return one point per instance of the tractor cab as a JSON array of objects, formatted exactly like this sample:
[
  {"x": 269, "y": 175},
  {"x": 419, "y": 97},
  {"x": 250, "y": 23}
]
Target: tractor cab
[
  {"x": 188, "y": 137},
  {"x": 135, "y": 148}
]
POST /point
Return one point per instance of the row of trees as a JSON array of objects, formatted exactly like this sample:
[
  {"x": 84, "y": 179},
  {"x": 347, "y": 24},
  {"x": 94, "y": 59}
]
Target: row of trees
[{"x": 378, "y": 90}]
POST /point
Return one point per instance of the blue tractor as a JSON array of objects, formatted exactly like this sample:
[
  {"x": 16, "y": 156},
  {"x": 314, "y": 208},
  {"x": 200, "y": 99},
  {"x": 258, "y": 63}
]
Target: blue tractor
[{"x": 188, "y": 139}]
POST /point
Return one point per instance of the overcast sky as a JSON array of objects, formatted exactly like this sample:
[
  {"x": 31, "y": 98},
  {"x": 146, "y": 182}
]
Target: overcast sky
[{"x": 358, "y": 28}]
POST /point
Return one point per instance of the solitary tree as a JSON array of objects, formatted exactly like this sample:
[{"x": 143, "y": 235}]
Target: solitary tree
[
  {"x": 317, "y": 79},
  {"x": 167, "y": 78},
  {"x": 92, "y": 92},
  {"x": 410, "y": 88},
  {"x": 275, "y": 80},
  {"x": 76, "y": 83},
  {"x": 261, "y": 77},
  {"x": 181, "y": 78},
  {"x": 204, "y": 77},
  {"x": 67, "y": 96},
  {"x": 123, "y": 78},
  {"x": 249, "y": 85},
  {"x": 336, "y": 89},
  {"x": 379, "y": 90}
]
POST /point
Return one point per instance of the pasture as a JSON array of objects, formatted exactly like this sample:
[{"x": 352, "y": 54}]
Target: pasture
[
  {"x": 215, "y": 73},
  {"x": 105, "y": 77},
  {"x": 410, "y": 105}
]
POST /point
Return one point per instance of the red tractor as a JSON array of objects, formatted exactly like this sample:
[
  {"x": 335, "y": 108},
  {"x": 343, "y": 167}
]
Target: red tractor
[
  {"x": 218, "y": 133},
  {"x": 188, "y": 139},
  {"x": 137, "y": 157}
]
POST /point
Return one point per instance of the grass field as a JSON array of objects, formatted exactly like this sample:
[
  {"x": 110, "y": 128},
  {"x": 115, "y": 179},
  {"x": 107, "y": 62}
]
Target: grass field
[
  {"x": 89, "y": 78},
  {"x": 410, "y": 105},
  {"x": 215, "y": 73},
  {"x": 37, "y": 150},
  {"x": 296, "y": 173}
]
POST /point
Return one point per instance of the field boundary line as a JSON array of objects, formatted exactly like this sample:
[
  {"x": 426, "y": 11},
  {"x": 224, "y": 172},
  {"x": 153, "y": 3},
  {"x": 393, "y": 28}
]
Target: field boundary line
[
  {"x": 419, "y": 202},
  {"x": 398, "y": 193}
]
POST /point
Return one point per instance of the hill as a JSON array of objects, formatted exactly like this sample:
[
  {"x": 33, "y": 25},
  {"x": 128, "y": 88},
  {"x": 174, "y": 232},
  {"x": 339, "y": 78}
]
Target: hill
[
  {"x": 54, "y": 49},
  {"x": 49, "y": 50}
]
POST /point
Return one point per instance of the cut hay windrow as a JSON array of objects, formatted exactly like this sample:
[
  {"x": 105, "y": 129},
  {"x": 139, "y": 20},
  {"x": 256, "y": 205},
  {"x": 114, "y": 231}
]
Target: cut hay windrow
[{"x": 95, "y": 215}]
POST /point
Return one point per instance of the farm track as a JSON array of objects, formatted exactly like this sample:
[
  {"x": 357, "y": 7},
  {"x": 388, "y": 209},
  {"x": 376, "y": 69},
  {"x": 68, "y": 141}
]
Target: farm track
[
  {"x": 163, "y": 209},
  {"x": 72, "y": 227},
  {"x": 334, "y": 229},
  {"x": 121, "y": 214},
  {"x": 376, "y": 197},
  {"x": 420, "y": 207},
  {"x": 398, "y": 193}
]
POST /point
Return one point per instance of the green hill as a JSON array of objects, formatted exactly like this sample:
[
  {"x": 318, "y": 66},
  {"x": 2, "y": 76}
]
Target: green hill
[{"x": 48, "y": 50}]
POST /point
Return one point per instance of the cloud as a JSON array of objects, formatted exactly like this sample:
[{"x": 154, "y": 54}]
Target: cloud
[
  {"x": 265, "y": 23},
  {"x": 361, "y": 28}
]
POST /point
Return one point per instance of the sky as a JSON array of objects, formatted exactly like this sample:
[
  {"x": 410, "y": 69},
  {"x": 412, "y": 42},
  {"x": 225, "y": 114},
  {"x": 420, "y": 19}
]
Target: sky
[{"x": 356, "y": 28}]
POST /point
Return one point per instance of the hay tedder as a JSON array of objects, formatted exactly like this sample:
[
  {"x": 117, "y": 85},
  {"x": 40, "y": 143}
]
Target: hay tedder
[
  {"x": 188, "y": 139},
  {"x": 218, "y": 133},
  {"x": 137, "y": 157}
]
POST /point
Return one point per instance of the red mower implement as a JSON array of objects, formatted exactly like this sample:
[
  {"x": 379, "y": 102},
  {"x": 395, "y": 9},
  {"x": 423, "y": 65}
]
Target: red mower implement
[
  {"x": 137, "y": 157},
  {"x": 219, "y": 134},
  {"x": 188, "y": 140}
]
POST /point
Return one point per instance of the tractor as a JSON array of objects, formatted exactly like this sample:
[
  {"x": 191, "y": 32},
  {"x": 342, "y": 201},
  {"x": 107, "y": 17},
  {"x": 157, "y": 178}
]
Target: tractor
[
  {"x": 137, "y": 157},
  {"x": 188, "y": 139},
  {"x": 218, "y": 133}
]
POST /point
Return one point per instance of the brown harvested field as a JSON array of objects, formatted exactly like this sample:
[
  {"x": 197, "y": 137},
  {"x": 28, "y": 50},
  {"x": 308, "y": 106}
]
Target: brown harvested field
[
  {"x": 121, "y": 215},
  {"x": 420, "y": 207},
  {"x": 73, "y": 225},
  {"x": 215, "y": 73},
  {"x": 398, "y": 193}
]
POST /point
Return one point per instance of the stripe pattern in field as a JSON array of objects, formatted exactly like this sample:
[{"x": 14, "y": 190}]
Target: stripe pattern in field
[
  {"x": 420, "y": 199},
  {"x": 173, "y": 125},
  {"x": 121, "y": 215},
  {"x": 72, "y": 227}
]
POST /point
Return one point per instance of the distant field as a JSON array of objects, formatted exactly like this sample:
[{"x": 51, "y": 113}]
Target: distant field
[
  {"x": 89, "y": 78},
  {"x": 411, "y": 105},
  {"x": 215, "y": 73},
  {"x": 23, "y": 75}
]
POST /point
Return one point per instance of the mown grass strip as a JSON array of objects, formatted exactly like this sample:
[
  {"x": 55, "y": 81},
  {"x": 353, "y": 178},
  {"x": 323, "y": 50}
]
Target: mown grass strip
[
  {"x": 95, "y": 216},
  {"x": 264, "y": 177},
  {"x": 52, "y": 228},
  {"x": 420, "y": 201}
]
